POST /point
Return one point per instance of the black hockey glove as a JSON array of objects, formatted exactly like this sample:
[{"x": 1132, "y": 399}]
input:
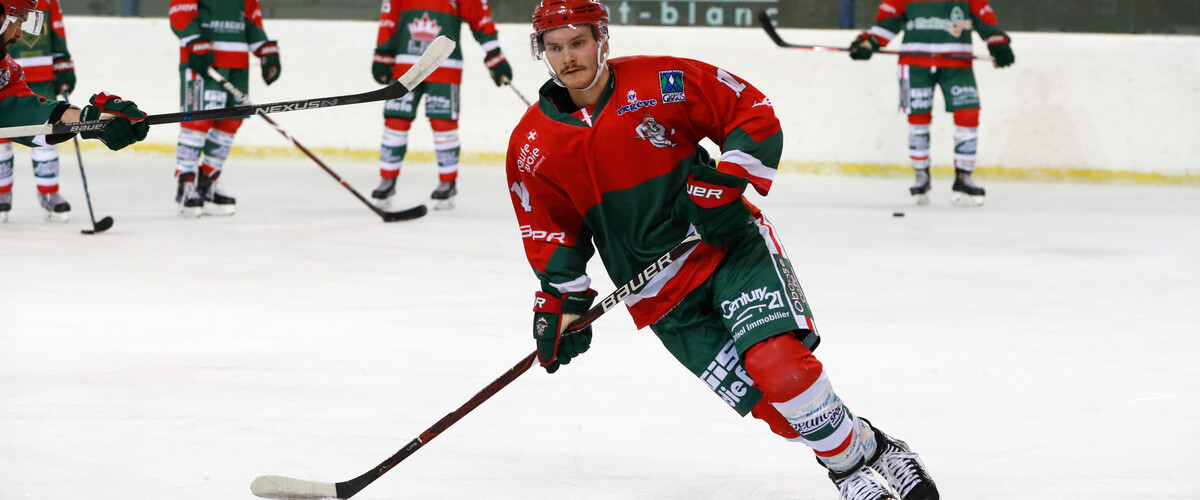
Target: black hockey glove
[
  {"x": 498, "y": 66},
  {"x": 126, "y": 128},
  {"x": 998, "y": 45},
  {"x": 382, "y": 66},
  {"x": 864, "y": 46},
  {"x": 199, "y": 56},
  {"x": 712, "y": 201},
  {"x": 268, "y": 54},
  {"x": 551, "y": 316}
]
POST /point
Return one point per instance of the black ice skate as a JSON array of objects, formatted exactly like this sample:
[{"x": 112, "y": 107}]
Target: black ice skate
[
  {"x": 190, "y": 202},
  {"x": 966, "y": 192},
  {"x": 5, "y": 205},
  {"x": 216, "y": 201},
  {"x": 444, "y": 195},
  {"x": 920, "y": 190},
  {"x": 383, "y": 193},
  {"x": 862, "y": 483},
  {"x": 57, "y": 209},
  {"x": 903, "y": 469}
]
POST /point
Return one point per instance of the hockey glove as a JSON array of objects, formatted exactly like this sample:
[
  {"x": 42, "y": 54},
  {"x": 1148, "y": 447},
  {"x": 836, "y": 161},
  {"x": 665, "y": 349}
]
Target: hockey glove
[
  {"x": 864, "y": 46},
  {"x": 998, "y": 45},
  {"x": 382, "y": 66},
  {"x": 551, "y": 316},
  {"x": 199, "y": 56},
  {"x": 498, "y": 66},
  {"x": 126, "y": 128},
  {"x": 64, "y": 76},
  {"x": 268, "y": 54},
  {"x": 712, "y": 201}
]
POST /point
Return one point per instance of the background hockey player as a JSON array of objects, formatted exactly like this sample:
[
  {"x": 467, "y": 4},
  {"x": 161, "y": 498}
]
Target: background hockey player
[
  {"x": 406, "y": 27},
  {"x": 49, "y": 72},
  {"x": 609, "y": 161},
  {"x": 221, "y": 34},
  {"x": 21, "y": 106},
  {"x": 938, "y": 27}
]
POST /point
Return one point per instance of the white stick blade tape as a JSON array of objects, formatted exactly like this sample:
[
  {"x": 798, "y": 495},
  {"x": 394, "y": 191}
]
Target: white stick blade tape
[
  {"x": 438, "y": 51},
  {"x": 286, "y": 488}
]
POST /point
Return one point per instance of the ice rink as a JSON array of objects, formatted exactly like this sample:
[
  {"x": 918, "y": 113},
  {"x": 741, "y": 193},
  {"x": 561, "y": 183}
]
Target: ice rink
[{"x": 1040, "y": 347}]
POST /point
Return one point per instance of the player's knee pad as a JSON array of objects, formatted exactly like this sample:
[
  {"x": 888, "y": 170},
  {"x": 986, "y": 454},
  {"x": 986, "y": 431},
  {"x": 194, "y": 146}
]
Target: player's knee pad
[
  {"x": 920, "y": 119},
  {"x": 228, "y": 125},
  {"x": 397, "y": 124},
  {"x": 197, "y": 125},
  {"x": 782, "y": 368},
  {"x": 443, "y": 125},
  {"x": 967, "y": 117}
]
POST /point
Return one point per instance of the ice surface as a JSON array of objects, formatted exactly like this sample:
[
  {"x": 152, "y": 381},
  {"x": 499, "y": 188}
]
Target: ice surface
[{"x": 1042, "y": 346}]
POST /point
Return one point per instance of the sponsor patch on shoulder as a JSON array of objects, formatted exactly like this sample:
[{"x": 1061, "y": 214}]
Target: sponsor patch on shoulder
[{"x": 670, "y": 82}]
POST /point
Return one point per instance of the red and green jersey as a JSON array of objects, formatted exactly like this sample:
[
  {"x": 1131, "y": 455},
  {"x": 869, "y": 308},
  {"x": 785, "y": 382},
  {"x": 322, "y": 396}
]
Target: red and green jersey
[
  {"x": 40, "y": 56},
  {"x": 607, "y": 178},
  {"x": 406, "y": 27},
  {"x": 936, "y": 26},
  {"x": 234, "y": 27},
  {"x": 20, "y": 106}
]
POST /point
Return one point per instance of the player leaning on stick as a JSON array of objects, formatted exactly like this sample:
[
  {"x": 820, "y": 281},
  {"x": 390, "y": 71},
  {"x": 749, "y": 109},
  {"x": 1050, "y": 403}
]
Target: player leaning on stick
[
  {"x": 19, "y": 105},
  {"x": 938, "y": 27},
  {"x": 221, "y": 34},
  {"x": 406, "y": 27},
  {"x": 608, "y": 160}
]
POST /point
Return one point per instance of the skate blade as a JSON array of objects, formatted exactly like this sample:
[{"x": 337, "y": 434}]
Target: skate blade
[
  {"x": 58, "y": 216},
  {"x": 384, "y": 204},
  {"x": 219, "y": 210},
  {"x": 191, "y": 212},
  {"x": 921, "y": 199},
  {"x": 3, "y": 216},
  {"x": 966, "y": 200},
  {"x": 447, "y": 204}
]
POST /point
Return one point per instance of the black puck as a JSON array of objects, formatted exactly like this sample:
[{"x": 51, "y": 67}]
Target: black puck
[{"x": 897, "y": 214}]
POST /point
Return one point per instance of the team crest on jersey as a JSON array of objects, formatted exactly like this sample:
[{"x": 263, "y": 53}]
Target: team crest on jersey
[
  {"x": 5, "y": 76},
  {"x": 423, "y": 31},
  {"x": 670, "y": 84},
  {"x": 955, "y": 26},
  {"x": 650, "y": 130}
]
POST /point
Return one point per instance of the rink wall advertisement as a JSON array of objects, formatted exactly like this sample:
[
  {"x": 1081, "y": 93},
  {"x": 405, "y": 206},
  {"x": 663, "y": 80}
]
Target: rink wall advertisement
[{"x": 1095, "y": 107}]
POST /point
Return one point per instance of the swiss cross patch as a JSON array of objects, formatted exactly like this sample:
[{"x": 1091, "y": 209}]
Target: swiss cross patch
[{"x": 670, "y": 84}]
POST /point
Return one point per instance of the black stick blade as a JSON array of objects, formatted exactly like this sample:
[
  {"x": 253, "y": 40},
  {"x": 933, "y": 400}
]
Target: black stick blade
[
  {"x": 403, "y": 215},
  {"x": 101, "y": 226}
]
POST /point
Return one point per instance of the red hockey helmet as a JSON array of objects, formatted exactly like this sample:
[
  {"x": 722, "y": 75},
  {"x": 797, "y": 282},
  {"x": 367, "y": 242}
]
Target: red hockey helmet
[
  {"x": 24, "y": 13},
  {"x": 553, "y": 14}
]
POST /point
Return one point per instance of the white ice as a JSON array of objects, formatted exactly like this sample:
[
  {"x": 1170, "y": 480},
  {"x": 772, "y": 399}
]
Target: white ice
[{"x": 1041, "y": 346}]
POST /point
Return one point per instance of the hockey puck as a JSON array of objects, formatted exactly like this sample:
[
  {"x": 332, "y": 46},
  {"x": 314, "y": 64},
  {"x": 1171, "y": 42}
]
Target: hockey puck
[{"x": 897, "y": 214}]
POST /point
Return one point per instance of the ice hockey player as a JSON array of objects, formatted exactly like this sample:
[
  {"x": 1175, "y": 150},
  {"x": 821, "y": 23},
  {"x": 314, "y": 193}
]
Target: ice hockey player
[
  {"x": 220, "y": 34},
  {"x": 608, "y": 161},
  {"x": 19, "y": 105},
  {"x": 49, "y": 72},
  {"x": 406, "y": 28},
  {"x": 938, "y": 27}
]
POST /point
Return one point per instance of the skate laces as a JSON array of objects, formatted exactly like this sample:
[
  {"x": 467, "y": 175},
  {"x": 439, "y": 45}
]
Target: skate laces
[
  {"x": 902, "y": 467},
  {"x": 863, "y": 484}
]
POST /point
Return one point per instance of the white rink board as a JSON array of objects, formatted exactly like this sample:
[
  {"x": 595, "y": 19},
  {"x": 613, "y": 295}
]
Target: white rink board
[{"x": 1095, "y": 102}]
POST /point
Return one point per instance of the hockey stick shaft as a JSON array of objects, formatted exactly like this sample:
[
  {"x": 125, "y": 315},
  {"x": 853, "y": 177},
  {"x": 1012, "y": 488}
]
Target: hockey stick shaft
[
  {"x": 765, "y": 20},
  {"x": 290, "y": 488},
  {"x": 242, "y": 98},
  {"x": 438, "y": 51}
]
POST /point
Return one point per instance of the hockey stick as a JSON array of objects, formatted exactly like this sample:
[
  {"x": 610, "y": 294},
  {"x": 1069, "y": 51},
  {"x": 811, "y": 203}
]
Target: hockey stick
[
  {"x": 407, "y": 214},
  {"x": 521, "y": 96},
  {"x": 437, "y": 52},
  {"x": 106, "y": 222},
  {"x": 765, "y": 20},
  {"x": 281, "y": 487}
]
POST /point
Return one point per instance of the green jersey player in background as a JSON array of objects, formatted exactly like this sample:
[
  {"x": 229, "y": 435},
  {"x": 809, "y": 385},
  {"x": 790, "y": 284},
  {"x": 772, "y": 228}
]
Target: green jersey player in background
[{"x": 938, "y": 28}]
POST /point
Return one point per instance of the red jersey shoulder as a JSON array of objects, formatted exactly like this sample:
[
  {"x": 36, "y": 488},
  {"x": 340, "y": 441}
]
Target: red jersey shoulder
[{"x": 10, "y": 72}]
